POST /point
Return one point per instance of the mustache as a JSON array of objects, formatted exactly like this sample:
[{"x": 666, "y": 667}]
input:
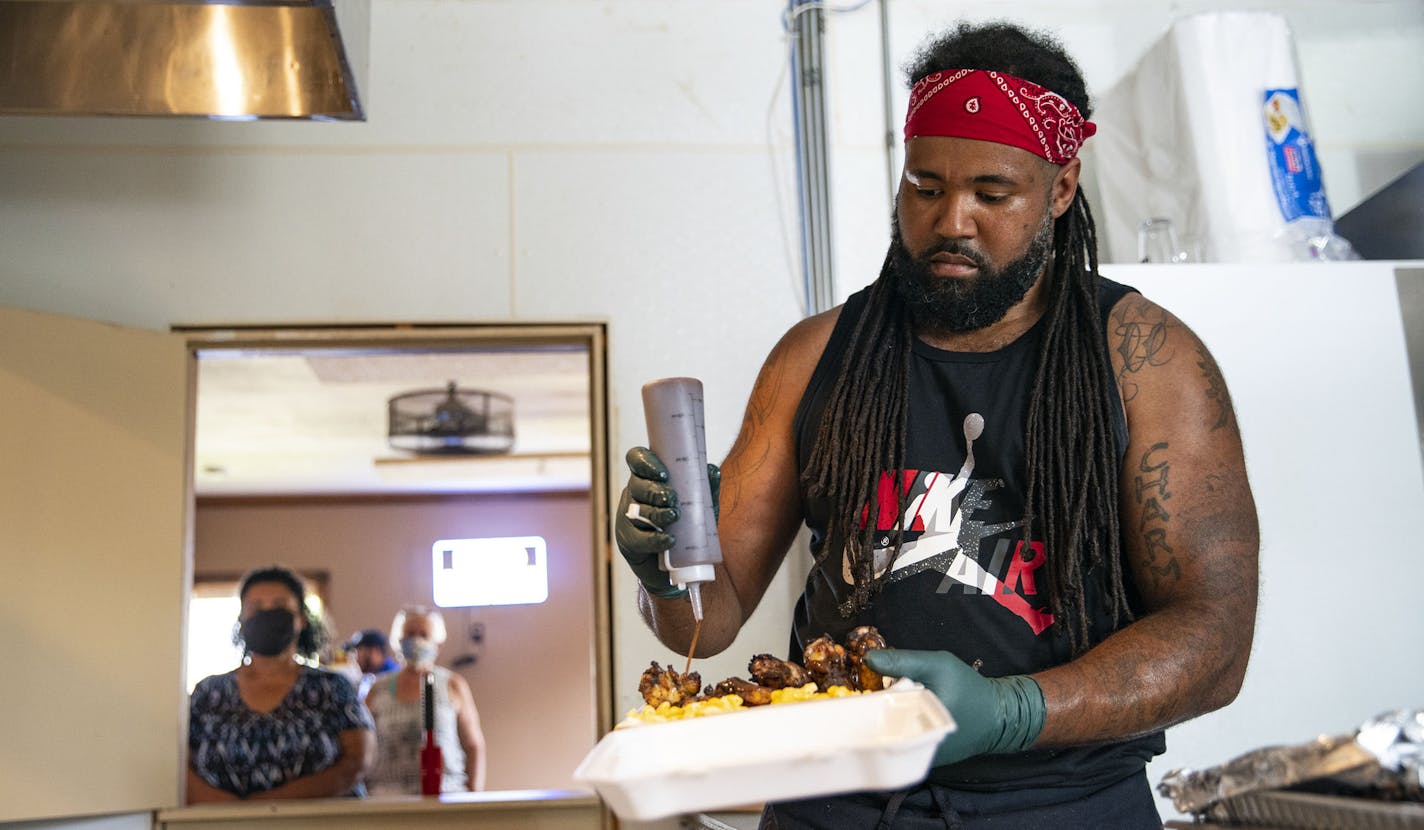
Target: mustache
[{"x": 957, "y": 248}]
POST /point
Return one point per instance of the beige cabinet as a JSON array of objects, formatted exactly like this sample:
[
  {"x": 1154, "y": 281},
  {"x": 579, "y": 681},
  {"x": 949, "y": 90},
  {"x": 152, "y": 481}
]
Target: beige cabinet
[{"x": 93, "y": 511}]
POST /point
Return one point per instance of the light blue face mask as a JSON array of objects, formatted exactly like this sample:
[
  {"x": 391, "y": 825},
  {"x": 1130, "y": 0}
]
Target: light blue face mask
[{"x": 419, "y": 651}]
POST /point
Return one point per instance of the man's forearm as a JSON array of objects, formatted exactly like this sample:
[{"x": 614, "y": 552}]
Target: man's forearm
[
  {"x": 1165, "y": 668},
  {"x": 671, "y": 620}
]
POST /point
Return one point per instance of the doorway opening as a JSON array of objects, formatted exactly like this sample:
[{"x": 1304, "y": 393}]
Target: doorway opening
[{"x": 293, "y": 464}]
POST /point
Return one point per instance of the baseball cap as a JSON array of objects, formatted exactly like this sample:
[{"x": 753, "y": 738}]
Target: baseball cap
[{"x": 369, "y": 637}]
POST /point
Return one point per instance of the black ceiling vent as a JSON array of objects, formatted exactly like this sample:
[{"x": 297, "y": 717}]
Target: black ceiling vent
[{"x": 451, "y": 421}]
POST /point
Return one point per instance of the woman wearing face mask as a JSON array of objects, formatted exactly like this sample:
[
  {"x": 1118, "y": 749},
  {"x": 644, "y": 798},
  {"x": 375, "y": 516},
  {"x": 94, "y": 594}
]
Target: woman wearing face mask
[
  {"x": 275, "y": 727},
  {"x": 396, "y": 707}
]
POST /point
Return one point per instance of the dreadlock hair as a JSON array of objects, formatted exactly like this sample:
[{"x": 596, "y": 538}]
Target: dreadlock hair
[{"x": 1070, "y": 455}]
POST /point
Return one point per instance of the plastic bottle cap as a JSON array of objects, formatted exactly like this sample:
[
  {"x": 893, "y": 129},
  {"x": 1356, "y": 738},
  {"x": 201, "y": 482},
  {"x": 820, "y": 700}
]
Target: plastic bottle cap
[{"x": 691, "y": 573}]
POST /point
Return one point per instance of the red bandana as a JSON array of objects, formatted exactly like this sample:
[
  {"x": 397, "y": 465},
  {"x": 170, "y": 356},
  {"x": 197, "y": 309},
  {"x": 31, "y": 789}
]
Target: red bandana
[{"x": 992, "y": 106}]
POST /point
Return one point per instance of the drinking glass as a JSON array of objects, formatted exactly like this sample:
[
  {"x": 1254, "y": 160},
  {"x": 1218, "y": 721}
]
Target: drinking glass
[{"x": 1157, "y": 242}]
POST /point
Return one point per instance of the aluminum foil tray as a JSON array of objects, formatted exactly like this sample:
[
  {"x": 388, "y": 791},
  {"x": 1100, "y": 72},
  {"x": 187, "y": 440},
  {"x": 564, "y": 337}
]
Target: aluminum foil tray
[
  {"x": 1371, "y": 778},
  {"x": 878, "y": 741},
  {"x": 1308, "y": 811}
]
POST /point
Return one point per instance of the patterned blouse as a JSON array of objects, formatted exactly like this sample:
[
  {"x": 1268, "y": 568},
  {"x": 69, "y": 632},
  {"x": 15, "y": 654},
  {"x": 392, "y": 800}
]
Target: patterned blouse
[{"x": 236, "y": 749}]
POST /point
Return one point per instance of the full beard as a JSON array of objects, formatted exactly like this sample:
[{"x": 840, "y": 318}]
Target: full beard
[{"x": 966, "y": 304}]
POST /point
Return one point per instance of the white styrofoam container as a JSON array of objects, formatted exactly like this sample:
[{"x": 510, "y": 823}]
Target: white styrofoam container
[{"x": 879, "y": 741}]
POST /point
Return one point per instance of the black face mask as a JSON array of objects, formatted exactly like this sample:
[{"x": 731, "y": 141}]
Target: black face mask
[{"x": 269, "y": 632}]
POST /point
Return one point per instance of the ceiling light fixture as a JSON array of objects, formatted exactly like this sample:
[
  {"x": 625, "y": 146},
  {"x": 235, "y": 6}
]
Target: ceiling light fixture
[{"x": 451, "y": 421}]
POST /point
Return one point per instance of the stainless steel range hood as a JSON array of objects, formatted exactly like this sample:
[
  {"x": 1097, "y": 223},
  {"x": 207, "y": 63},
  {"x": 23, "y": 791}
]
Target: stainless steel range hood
[{"x": 238, "y": 59}]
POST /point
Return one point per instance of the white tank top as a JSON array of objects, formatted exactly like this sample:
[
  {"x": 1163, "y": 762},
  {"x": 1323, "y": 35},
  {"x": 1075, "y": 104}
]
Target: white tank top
[{"x": 400, "y": 735}]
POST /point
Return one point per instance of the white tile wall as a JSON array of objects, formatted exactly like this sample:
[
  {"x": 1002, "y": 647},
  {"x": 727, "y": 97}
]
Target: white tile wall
[
  {"x": 673, "y": 249},
  {"x": 150, "y": 237}
]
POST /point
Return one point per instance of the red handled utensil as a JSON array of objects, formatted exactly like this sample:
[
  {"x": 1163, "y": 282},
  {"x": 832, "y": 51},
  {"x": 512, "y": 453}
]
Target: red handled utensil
[{"x": 431, "y": 762}]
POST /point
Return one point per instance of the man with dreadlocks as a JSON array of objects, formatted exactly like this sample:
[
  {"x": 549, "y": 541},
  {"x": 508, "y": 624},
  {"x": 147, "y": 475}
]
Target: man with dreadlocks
[{"x": 1027, "y": 476}]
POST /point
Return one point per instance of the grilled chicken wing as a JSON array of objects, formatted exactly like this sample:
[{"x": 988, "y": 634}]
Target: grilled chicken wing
[
  {"x": 751, "y": 694},
  {"x": 828, "y": 663},
  {"x": 690, "y": 684},
  {"x": 665, "y": 685},
  {"x": 858, "y": 642},
  {"x": 775, "y": 673}
]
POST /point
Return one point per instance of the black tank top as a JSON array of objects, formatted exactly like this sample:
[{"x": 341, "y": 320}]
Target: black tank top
[{"x": 962, "y": 582}]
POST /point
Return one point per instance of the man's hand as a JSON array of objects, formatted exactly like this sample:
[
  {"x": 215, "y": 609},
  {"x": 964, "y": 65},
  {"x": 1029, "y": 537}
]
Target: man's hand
[
  {"x": 992, "y": 714},
  {"x": 647, "y": 506}
]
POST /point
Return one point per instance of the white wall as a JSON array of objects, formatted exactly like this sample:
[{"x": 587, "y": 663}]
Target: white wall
[
  {"x": 1316, "y": 363},
  {"x": 622, "y": 160}
]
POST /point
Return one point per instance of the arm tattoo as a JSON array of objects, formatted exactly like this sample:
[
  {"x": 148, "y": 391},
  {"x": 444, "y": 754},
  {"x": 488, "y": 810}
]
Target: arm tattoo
[
  {"x": 1140, "y": 343},
  {"x": 1151, "y": 490},
  {"x": 1215, "y": 389},
  {"x": 751, "y": 449},
  {"x": 764, "y": 392}
]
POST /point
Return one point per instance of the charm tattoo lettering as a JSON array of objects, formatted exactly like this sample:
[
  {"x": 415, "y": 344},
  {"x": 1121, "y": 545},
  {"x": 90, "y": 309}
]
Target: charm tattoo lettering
[{"x": 1152, "y": 489}]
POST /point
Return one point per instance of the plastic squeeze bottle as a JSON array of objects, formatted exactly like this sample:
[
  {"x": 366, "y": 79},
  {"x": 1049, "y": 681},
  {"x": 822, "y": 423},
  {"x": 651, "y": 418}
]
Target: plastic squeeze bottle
[{"x": 677, "y": 435}]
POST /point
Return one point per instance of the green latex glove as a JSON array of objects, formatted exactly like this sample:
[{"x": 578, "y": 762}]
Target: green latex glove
[
  {"x": 992, "y": 714},
  {"x": 641, "y": 537}
]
